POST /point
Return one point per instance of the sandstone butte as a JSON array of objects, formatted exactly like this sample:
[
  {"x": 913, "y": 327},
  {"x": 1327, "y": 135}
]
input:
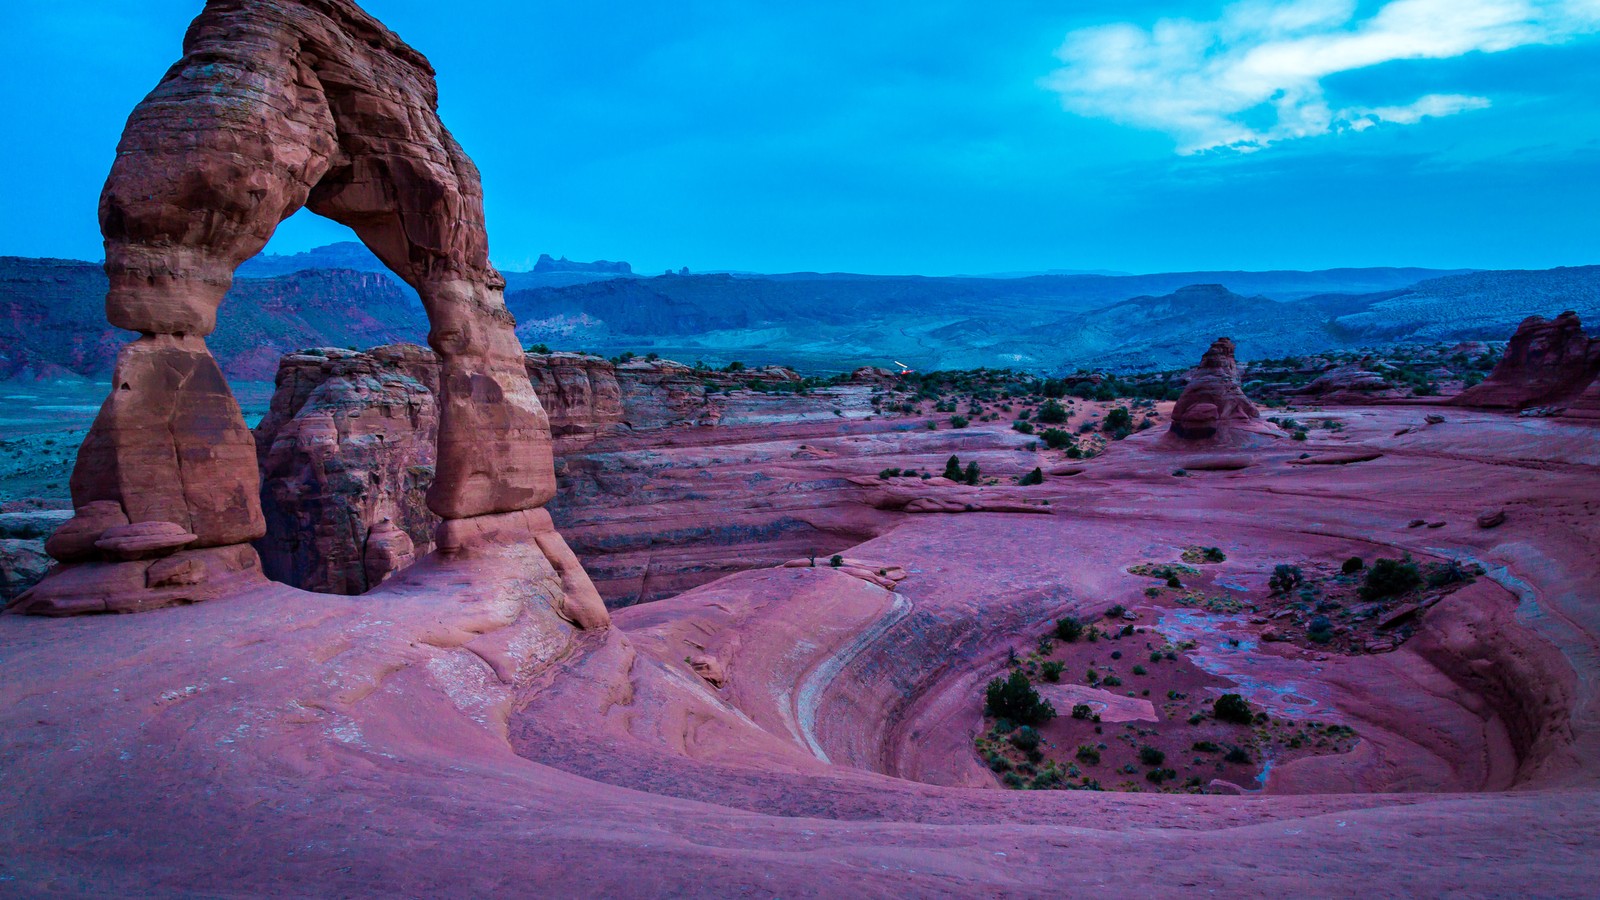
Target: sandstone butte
[{"x": 475, "y": 723}]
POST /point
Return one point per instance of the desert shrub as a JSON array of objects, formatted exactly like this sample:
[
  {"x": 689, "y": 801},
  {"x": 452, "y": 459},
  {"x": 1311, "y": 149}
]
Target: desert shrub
[
  {"x": 1082, "y": 711},
  {"x": 1299, "y": 435},
  {"x": 539, "y": 348},
  {"x": 1352, "y": 565},
  {"x": 1022, "y": 427},
  {"x": 1015, "y": 699},
  {"x": 952, "y": 468},
  {"x": 1051, "y": 413},
  {"x": 1088, "y": 754},
  {"x": 1206, "y": 747},
  {"x": 1232, "y": 708},
  {"x": 1157, "y": 776},
  {"x": 972, "y": 474},
  {"x": 1069, "y": 629},
  {"x": 1055, "y": 438},
  {"x": 1140, "y": 670},
  {"x": 1285, "y": 578},
  {"x": 1112, "y": 681},
  {"x": 958, "y": 421},
  {"x": 1118, "y": 419},
  {"x": 889, "y": 473},
  {"x": 1151, "y": 756},
  {"x": 1237, "y": 755},
  {"x": 836, "y": 561},
  {"x": 1116, "y": 611},
  {"x": 1052, "y": 671},
  {"x": 1025, "y": 739},
  {"x": 1032, "y": 478},
  {"x": 1390, "y": 578},
  {"x": 1214, "y": 554},
  {"x": 1320, "y": 629}
]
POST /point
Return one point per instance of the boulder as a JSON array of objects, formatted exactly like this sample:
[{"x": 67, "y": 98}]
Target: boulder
[{"x": 23, "y": 562}]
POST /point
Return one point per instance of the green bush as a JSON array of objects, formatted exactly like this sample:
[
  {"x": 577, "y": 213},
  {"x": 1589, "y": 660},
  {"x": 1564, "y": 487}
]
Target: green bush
[
  {"x": 958, "y": 421},
  {"x": 1022, "y": 427},
  {"x": 952, "y": 468},
  {"x": 1014, "y": 698},
  {"x": 1285, "y": 578},
  {"x": 1025, "y": 739},
  {"x": 1052, "y": 671},
  {"x": 836, "y": 561},
  {"x": 1390, "y": 578},
  {"x": 1233, "y": 708},
  {"x": 1352, "y": 565},
  {"x": 1051, "y": 413},
  {"x": 1118, "y": 419},
  {"x": 1088, "y": 754},
  {"x": 1055, "y": 438},
  {"x": 1069, "y": 629},
  {"x": 1082, "y": 711},
  {"x": 1237, "y": 755},
  {"x": 1151, "y": 756},
  {"x": 972, "y": 474},
  {"x": 1032, "y": 478}
]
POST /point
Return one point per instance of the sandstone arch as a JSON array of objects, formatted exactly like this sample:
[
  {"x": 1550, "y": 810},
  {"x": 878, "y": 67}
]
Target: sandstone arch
[{"x": 278, "y": 105}]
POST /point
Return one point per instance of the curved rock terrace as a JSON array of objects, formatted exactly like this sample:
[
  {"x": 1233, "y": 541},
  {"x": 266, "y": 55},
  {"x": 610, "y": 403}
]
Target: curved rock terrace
[{"x": 469, "y": 620}]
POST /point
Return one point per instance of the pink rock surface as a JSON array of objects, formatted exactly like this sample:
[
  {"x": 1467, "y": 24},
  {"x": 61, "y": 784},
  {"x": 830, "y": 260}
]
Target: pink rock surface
[{"x": 344, "y": 740}]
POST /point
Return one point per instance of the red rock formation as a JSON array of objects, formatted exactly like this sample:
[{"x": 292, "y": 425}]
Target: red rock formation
[
  {"x": 278, "y": 105},
  {"x": 348, "y": 443},
  {"x": 1587, "y": 405},
  {"x": 1213, "y": 407},
  {"x": 580, "y": 393},
  {"x": 1547, "y": 363}
]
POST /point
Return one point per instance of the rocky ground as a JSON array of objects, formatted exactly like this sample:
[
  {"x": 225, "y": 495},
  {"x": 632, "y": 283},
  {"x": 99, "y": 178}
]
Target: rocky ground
[{"x": 803, "y": 730}]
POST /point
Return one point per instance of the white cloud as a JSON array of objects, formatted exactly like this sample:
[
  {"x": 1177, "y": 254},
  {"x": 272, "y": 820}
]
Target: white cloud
[{"x": 1254, "y": 76}]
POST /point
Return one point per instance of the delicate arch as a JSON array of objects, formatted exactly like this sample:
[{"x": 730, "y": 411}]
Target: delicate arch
[{"x": 273, "y": 107}]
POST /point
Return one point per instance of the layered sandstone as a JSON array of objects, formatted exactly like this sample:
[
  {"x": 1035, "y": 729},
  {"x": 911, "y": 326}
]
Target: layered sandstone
[
  {"x": 1547, "y": 363},
  {"x": 348, "y": 446}
]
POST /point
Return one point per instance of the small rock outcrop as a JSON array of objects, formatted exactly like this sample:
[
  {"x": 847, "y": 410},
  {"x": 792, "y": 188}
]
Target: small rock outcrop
[
  {"x": 1549, "y": 362},
  {"x": 1213, "y": 408},
  {"x": 1350, "y": 383}
]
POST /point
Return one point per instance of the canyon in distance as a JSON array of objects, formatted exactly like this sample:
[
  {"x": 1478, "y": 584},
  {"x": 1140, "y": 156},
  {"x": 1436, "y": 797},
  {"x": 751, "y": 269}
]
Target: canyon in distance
[{"x": 374, "y": 570}]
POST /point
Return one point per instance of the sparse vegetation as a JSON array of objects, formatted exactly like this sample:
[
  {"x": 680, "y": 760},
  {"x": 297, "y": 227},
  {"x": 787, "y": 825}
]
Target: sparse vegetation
[{"x": 1014, "y": 698}]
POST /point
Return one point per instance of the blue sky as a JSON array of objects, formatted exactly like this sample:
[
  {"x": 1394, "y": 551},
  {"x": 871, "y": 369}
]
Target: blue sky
[{"x": 930, "y": 136}]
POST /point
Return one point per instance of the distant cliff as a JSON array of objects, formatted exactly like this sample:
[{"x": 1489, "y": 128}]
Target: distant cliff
[
  {"x": 546, "y": 265},
  {"x": 52, "y": 319}
]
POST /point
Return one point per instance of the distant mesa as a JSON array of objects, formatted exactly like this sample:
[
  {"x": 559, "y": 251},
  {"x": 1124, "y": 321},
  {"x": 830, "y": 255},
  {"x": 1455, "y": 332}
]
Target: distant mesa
[{"x": 548, "y": 264}]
